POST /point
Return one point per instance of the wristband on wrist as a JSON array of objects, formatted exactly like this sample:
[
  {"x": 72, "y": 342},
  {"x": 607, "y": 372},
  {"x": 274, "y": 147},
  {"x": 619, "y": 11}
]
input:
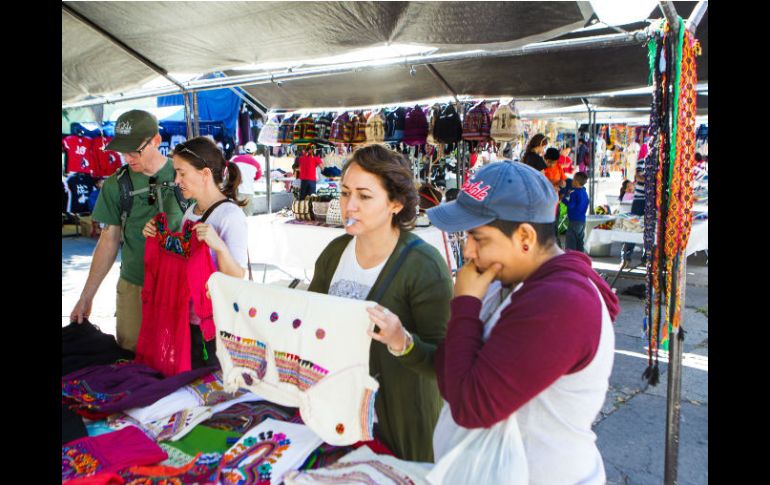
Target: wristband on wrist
[{"x": 408, "y": 348}]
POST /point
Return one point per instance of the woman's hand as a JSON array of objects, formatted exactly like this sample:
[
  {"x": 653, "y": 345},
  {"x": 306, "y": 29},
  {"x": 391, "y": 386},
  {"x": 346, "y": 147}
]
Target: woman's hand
[
  {"x": 391, "y": 332},
  {"x": 207, "y": 234},
  {"x": 150, "y": 229}
]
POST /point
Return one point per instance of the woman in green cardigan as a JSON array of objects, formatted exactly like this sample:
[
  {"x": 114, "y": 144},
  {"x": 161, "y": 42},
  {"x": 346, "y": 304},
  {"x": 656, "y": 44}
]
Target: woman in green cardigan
[{"x": 379, "y": 259}]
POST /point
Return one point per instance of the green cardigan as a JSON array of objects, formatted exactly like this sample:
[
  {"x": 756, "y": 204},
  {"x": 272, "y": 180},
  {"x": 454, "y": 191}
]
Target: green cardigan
[{"x": 408, "y": 402}]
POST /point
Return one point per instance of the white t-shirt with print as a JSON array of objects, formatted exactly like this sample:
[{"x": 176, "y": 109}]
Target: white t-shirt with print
[{"x": 350, "y": 280}]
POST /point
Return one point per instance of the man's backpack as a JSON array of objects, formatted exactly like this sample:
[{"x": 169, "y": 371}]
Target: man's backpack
[
  {"x": 506, "y": 124},
  {"x": 415, "y": 127},
  {"x": 449, "y": 128},
  {"x": 127, "y": 193},
  {"x": 375, "y": 128},
  {"x": 477, "y": 123}
]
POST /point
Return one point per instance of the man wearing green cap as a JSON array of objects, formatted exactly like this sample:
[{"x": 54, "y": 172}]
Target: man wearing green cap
[{"x": 151, "y": 175}]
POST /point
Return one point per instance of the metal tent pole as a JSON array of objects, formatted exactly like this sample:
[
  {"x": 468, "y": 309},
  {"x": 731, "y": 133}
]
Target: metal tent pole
[
  {"x": 187, "y": 115},
  {"x": 268, "y": 181},
  {"x": 196, "y": 115},
  {"x": 674, "y": 395}
]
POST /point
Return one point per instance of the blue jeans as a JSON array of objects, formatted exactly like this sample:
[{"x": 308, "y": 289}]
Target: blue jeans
[{"x": 576, "y": 231}]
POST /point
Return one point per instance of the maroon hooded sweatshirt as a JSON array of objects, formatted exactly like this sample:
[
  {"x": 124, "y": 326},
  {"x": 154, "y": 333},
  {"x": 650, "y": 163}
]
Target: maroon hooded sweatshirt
[{"x": 550, "y": 328}]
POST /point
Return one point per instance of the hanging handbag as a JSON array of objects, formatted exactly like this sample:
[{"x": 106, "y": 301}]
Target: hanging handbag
[{"x": 334, "y": 213}]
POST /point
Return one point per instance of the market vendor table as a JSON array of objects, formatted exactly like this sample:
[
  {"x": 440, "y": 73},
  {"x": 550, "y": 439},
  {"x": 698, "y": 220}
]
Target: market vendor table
[
  {"x": 295, "y": 247},
  {"x": 699, "y": 237}
]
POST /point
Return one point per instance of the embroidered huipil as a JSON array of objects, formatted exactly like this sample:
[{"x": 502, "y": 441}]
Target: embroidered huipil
[
  {"x": 298, "y": 349},
  {"x": 176, "y": 266}
]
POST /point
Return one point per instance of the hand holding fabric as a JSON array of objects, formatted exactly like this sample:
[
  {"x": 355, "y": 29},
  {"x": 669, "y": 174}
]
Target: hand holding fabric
[
  {"x": 82, "y": 309},
  {"x": 470, "y": 282},
  {"x": 150, "y": 229},
  {"x": 391, "y": 331},
  {"x": 207, "y": 234}
]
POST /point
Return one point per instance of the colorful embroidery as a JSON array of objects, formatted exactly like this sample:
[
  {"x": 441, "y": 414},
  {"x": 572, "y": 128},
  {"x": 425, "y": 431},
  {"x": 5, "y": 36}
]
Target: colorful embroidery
[
  {"x": 367, "y": 415},
  {"x": 201, "y": 469},
  {"x": 175, "y": 242},
  {"x": 360, "y": 476},
  {"x": 296, "y": 323},
  {"x": 294, "y": 370},
  {"x": 235, "y": 307},
  {"x": 244, "y": 416},
  {"x": 79, "y": 395},
  {"x": 262, "y": 452},
  {"x": 252, "y": 312},
  {"x": 246, "y": 352},
  {"x": 274, "y": 316},
  {"x": 320, "y": 334},
  {"x": 209, "y": 389},
  {"x": 78, "y": 461}
]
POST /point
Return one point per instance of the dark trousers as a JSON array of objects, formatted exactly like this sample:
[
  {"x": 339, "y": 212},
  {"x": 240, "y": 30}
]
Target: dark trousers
[
  {"x": 196, "y": 350},
  {"x": 576, "y": 232},
  {"x": 306, "y": 187}
]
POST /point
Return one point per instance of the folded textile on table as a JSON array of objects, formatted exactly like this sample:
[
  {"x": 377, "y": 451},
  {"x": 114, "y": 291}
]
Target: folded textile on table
[
  {"x": 84, "y": 345},
  {"x": 115, "y": 387},
  {"x": 98, "y": 479},
  {"x": 206, "y": 440},
  {"x": 267, "y": 452},
  {"x": 206, "y": 390},
  {"x": 201, "y": 469},
  {"x": 108, "y": 453},
  {"x": 364, "y": 466},
  {"x": 244, "y": 416},
  {"x": 299, "y": 349}
]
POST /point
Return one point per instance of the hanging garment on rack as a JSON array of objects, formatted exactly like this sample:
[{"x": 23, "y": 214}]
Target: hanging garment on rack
[
  {"x": 78, "y": 150},
  {"x": 415, "y": 127},
  {"x": 477, "y": 123},
  {"x": 79, "y": 185},
  {"x": 176, "y": 267},
  {"x": 395, "y": 126},
  {"x": 323, "y": 127},
  {"x": 506, "y": 124},
  {"x": 268, "y": 135},
  {"x": 304, "y": 131},
  {"x": 449, "y": 128},
  {"x": 342, "y": 129},
  {"x": 106, "y": 162},
  {"x": 375, "y": 128},
  {"x": 358, "y": 123},
  {"x": 300, "y": 349}
]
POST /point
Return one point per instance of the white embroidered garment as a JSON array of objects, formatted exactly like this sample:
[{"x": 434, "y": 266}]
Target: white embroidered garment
[
  {"x": 267, "y": 452},
  {"x": 298, "y": 349},
  {"x": 365, "y": 467},
  {"x": 207, "y": 390}
]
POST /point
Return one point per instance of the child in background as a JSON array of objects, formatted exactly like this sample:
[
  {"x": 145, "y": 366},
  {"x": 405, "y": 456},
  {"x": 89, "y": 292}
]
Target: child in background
[
  {"x": 626, "y": 191},
  {"x": 553, "y": 170},
  {"x": 576, "y": 213}
]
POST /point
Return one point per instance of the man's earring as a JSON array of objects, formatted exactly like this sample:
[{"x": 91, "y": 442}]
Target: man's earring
[{"x": 526, "y": 248}]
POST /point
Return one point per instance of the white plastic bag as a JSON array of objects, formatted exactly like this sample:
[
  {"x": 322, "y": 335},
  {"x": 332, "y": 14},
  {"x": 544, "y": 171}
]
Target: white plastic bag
[{"x": 482, "y": 455}]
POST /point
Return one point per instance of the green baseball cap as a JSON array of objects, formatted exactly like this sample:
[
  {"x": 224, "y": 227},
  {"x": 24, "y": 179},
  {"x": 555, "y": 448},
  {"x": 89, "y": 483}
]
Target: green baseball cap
[{"x": 132, "y": 129}]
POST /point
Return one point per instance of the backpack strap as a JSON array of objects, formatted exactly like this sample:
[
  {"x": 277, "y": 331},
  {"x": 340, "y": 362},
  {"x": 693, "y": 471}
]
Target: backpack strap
[
  {"x": 389, "y": 278},
  {"x": 126, "y": 198},
  {"x": 206, "y": 216}
]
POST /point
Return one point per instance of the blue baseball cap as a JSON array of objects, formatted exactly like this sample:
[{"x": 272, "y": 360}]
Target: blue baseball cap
[{"x": 510, "y": 191}]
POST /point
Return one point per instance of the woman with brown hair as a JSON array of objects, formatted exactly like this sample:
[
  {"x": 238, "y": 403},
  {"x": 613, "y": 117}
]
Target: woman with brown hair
[
  {"x": 379, "y": 259},
  {"x": 204, "y": 175},
  {"x": 533, "y": 155}
]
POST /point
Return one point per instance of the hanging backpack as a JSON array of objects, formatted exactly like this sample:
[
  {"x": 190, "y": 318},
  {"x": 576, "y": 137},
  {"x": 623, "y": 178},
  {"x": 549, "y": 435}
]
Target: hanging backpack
[
  {"x": 358, "y": 125},
  {"x": 323, "y": 128},
  {"x": 342, "y": 129},
  {"x": 449, "y": 128},
  {"x": 433, "y": 116},
  {"x": 268, "y": 135},
  {"x": 416, "y": 127},
  {"x": 375, "y": 128},
  {"x": 506, "y": 124},
  {"x": 394, "y": 127},
  {"x": 477, "y": 123},
  {"x": 286, "y": 130},
  {"x": 304, "y": 131}
]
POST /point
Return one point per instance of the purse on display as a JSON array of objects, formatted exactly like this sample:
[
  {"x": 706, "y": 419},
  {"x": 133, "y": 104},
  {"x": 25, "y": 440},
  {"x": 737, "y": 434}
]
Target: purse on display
[{"x": 334, "y": 213}]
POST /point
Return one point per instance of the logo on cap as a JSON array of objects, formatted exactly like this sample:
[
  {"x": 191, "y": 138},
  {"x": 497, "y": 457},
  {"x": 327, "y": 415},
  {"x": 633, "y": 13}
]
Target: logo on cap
[
  {"x": 123, "y": 128},
  {"x": 476, "y": 190}
]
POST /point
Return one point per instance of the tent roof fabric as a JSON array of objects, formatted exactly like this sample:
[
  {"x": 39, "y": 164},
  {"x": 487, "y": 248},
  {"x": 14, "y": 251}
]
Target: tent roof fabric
[{"x": 188, "y": 37}]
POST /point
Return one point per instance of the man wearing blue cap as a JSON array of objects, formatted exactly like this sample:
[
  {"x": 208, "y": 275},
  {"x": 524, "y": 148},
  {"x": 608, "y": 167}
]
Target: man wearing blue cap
[
  {"x": 129, "y": 198},
  {"x": 525, "y": 364}
]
